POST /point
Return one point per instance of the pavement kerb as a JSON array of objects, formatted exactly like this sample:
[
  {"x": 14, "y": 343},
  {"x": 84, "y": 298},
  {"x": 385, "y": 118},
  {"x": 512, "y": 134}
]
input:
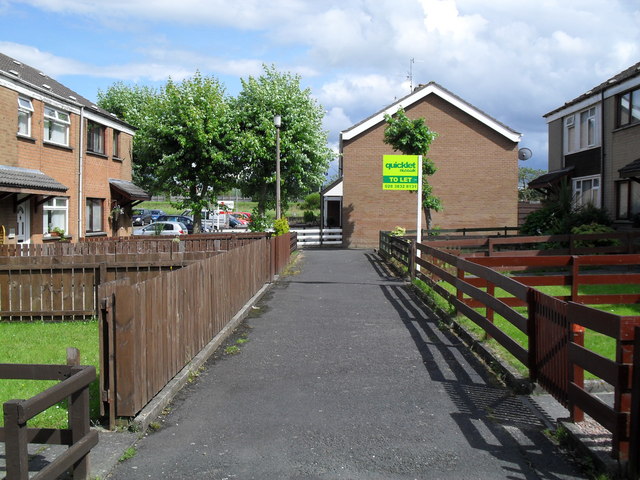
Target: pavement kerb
[{"x": 155, "y": 407}]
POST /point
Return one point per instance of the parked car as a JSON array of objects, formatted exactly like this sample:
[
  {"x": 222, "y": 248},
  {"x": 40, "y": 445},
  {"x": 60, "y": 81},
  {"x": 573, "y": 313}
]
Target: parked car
[
  {"x": 243, "y": 217},
  {"x": 163, "y": 228},
  {"x": 155, "y": 214},
  {"x": 187, "y": 221},
  {"x": 141, "y": 216},
  {"x": 234, "y": 222}
]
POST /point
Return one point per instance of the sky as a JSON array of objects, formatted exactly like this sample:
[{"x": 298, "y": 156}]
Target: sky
[{"x": 515, "y": 60}]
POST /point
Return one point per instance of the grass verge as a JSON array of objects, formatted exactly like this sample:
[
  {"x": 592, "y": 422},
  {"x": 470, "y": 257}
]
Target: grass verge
[{"x": 46, "y": 343}]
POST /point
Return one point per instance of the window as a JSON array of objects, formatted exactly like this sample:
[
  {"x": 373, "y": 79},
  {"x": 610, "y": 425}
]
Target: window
[
  {"x": 116, "y": 143},
  {"x": 56, "y": 126},
  {"x": 628, "y": 199},
  {"x": 586, "y": 190},
  {"x": 629, "y": 108},
  {"x": 25, "y": 111},
  {"x": 93, "y": 216},
  {"x": 581, "y": 130},
  {"x": 95, "y": 137},
  {"x": 55, "y": 214}
]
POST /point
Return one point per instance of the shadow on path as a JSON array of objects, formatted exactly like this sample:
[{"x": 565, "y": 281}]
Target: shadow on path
[{"x": 489, "y": 416}]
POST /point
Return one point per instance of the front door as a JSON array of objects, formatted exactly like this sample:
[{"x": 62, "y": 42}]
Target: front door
[{"x": 23, "y": 227}]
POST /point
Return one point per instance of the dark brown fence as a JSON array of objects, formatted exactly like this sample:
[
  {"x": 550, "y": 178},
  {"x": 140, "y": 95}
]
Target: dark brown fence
[
  {"x": 554, "y": 327},
  {"x": 74, "y": 385},
  {"x": 152, "y": 329}
]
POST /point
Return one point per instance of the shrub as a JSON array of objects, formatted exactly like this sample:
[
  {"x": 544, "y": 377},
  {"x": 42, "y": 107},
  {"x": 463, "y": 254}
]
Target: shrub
[
  {"x": 311, "y": 201},
  {"x": 259, "y": 222},
  {"x": 399, "y": 232},
  {"x": 281, "y": 226},
  {"x": 309, "y": 217},
  {"x": 594, "y": 228}
]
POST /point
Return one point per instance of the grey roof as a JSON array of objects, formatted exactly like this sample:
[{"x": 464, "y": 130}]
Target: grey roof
[
  {"x": 25, "y": 178},
  {"x": 630, "y": 170},
  {"x": 632, "y": 71},
  {"x": 550, "y": 179},
  {"x": 129, "y": 189},
  {"x": 38, "y": 80}
]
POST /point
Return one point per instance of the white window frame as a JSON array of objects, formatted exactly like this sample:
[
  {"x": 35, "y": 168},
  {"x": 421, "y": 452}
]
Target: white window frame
[
  {"x": 582, "y": 130},
  {"x": 25, "y": 110},
  {"x": 56, "y": 118},
  {"x": 94, "y": 209},
  {"x": 51, "y": 207},
  {"x": 577, "y": 189}
]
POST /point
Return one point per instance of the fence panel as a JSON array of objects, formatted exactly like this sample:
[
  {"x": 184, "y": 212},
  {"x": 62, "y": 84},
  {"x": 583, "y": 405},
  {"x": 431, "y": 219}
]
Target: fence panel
[{"x": 156, "y": 335}]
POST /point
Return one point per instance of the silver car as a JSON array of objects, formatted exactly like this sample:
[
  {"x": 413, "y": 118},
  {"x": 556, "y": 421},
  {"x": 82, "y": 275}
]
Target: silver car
[{"x": 163, "y": 228}]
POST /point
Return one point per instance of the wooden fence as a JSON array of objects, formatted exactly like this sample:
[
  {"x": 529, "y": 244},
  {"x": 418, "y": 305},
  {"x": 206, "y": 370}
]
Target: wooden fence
[
  {"x": 61, "y": 280},
  {"x": 554, "y": 326},
  {"x": 150, "y": 330},
  {"x": 74, "y": 385}
]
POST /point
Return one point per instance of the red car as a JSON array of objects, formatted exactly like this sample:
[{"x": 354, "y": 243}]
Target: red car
[{"x": 243, "y": 217}]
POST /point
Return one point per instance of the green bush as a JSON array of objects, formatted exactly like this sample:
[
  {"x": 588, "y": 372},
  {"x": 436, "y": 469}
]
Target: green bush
[
  {"x": 281, "y": 226},
  {"x": 594, "y": 228},
  {"x": 259, "y": 222},
  {"x": 398, "y": 231},
  {"x": 309, "y": 217},
  {"x": 311, "y": 201}
]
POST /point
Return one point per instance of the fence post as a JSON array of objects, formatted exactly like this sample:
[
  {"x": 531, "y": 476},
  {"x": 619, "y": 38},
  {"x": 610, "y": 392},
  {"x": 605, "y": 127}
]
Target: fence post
[
  {"x": 634, "y": 444},
  {"x": 575, "y": 273},
  {"x": 576, "y": 374},
  {"x": 16, "y": 442},
  {"x": 531, "y": 334},
  {"x": 79, "y": 424}
]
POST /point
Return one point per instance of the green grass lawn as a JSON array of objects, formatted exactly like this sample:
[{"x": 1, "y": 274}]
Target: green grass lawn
[
  {"x": 294, "y": 209},
  {"x": 46, "y": 343}
]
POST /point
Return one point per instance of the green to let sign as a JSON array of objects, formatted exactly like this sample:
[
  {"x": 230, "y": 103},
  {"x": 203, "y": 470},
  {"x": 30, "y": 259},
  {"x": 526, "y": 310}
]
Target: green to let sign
[{"x": 400, "y": 172}]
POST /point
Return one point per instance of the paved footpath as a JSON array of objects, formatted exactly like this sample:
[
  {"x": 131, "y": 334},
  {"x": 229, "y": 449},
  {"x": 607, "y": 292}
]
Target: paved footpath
[{"x": 345, "y": 376}]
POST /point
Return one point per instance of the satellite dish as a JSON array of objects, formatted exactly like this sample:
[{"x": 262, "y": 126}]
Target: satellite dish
[{"x": 524, "y": 154}]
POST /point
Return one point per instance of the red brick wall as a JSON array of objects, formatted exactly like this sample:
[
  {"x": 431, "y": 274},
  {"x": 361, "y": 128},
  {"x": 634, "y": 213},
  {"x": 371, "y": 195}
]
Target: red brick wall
[
  {"x": 477, "y": 177},
  {"x": 60, "y": 163}
]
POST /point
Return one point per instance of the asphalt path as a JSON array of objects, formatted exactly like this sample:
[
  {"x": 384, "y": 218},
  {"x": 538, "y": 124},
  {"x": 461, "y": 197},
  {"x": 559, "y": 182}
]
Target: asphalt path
[{"x": 346, "y": 376}]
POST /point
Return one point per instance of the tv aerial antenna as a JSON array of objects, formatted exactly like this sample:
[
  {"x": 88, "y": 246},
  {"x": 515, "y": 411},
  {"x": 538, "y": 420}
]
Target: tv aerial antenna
[
  {"x": 410, "y": 75},
  {"x": 524, "y": 154}
]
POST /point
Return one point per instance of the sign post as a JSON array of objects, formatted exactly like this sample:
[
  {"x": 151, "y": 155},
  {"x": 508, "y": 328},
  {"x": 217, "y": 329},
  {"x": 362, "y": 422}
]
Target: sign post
[{"x": 404, "y": 172}]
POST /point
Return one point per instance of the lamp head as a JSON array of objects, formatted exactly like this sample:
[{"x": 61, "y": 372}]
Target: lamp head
[{"x": 277, "y": 121}]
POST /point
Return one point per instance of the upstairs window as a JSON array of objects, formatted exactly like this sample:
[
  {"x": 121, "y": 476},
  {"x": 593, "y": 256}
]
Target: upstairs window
[
  {"x": 581, "y": 130},
  {"x": 25, "y": 112},
  {"x": 56, "y": 126},
  {"x": 629, "y": 108},
  {"x": 95, "y": 137},
  {"x": 116, "y": 143}
]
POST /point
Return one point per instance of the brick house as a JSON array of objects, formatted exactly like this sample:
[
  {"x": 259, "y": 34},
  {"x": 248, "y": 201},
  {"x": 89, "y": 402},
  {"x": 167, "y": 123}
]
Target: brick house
[
  {"x": 64, "y": 162},
  {"x": 594, "y": 142},
  {"x": 477, "y": 177}
]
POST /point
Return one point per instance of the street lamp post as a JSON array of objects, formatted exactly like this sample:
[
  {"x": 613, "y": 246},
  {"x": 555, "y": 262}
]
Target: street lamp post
[{"x": 277, "y": 121}]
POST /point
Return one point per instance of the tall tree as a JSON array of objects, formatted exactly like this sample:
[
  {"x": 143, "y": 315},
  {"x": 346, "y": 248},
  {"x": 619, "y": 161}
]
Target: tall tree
[
  {"x": 185, "y": 139},
  {"x": 413, "y": 137},
  {"x": 133, "y": 103},
  {"x": 304, "y": 156},
  {"x": 525, "y": 175}
]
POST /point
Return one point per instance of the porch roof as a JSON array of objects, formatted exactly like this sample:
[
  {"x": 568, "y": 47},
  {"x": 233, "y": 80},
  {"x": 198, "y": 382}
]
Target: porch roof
[
  {"x": 25, "y": 180},
  {"x": 630, "y": 170},
  {"x": 128, "y": 190},
  {"x": 550, "y": 179}
]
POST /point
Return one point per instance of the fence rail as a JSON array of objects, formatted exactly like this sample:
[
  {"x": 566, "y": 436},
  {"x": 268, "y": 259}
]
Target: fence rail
[
  {"x": 490, "y": 276},
  {"x": 308, "y": 237},
  {"x": 74, "y": 385}
]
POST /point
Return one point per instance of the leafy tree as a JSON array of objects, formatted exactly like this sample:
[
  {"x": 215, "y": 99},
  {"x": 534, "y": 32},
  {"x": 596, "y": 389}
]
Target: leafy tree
[
  {"x": 133, "y": 104},
  {"x": 413, "y": 137},
  {"x": 525, "y": 175},
  {"x": 304, "y": 156}
]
